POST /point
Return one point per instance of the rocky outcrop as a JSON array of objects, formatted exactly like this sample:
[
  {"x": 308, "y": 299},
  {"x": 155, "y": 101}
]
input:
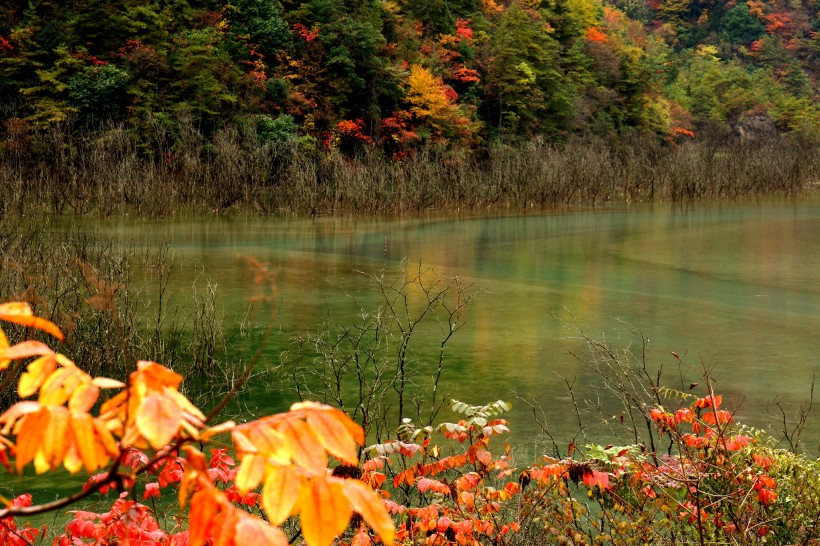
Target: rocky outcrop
[{"x": 757, "y": 128}]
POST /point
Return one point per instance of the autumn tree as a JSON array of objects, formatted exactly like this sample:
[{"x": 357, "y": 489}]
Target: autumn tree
[{"x": 433, "y": 104}]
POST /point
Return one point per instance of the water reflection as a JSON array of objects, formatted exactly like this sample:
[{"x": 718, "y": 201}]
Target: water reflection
[{"x": 735, "y": 286}]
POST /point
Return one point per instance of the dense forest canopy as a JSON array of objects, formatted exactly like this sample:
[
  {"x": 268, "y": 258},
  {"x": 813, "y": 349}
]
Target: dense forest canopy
[{"x": 401, "y": 73}]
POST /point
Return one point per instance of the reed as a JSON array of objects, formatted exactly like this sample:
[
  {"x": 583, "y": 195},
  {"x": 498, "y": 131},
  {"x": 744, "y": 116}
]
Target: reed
[
  {"x": 109, "y": 172},
  {"x": 86, "y": 285}
]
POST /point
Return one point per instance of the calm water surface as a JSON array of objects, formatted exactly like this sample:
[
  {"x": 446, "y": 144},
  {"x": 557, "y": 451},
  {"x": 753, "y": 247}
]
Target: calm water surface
[{"x": 735, "y": 286}]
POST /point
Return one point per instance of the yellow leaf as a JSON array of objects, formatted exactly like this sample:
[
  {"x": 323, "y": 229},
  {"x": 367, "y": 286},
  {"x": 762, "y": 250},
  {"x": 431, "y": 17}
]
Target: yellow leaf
[
  {"x": 303, "y": 446},
  {"x": 329, "y": 429},
  {"x": 252, "y": 531},
  {"x": 72, "y": 461},
  {"x": 56, "y": 437},
  {"x": 280, "y": 492},
  {"x": 35, "y": 374},
  {"x": 158, "y": 420},
  {"x": 325, "y": 510},
  {"x": 367, "y": 502},
  {"x": 59, "y": 385},
  {"x": 266, "y": 441},
  {"x": 20, "y": 313},
  {"x": 83, "y": 426},
  {"x": 184, "y": 404},
  {"x": 250, "y": 472},
  {"x": 40, "y": 463},
  {"x": 4, "y": 344}
]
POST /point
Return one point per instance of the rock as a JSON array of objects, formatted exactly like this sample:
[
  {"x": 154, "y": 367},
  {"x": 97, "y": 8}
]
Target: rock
[{"x": 757, "y": 128}]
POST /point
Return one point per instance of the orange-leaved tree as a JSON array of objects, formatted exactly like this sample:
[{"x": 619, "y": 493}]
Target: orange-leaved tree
[{"x": 70, "y": 424}]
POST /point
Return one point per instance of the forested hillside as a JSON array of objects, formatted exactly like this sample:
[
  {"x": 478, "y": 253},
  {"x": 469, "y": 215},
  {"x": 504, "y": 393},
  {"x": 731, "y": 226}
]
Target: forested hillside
[{"x": 403, "y": 73}]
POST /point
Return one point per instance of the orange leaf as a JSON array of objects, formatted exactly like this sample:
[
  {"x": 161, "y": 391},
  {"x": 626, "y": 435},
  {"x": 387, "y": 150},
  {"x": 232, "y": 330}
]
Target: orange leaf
[
  {"x": 156, "y": 375},
  {"x": 366, "y": 502},
  {"x": 223, "y": 527},
  {"x": 30, "y": 436},
  {"x": 329, "y": 428},
  {"x": 11, "y": 415},
  {"x": 84, "y": 398},
  {"x": 108, "y": 442},
  {"x": 325, "y": 510},
  {"x": 280, "y": 492},
  {"x": 158, "y": 420},
  {"x": 20, "y": 313},
  {"x": 25, "y": 350},
  {"x": 203, "y": 510}
]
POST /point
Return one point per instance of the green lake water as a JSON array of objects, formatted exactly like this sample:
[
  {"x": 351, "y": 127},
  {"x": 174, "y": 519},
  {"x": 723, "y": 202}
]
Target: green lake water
[{"x": 733, "y": 285}]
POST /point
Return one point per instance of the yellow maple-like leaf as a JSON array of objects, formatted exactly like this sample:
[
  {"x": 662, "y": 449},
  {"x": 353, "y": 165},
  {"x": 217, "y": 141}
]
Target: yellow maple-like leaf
[
  {"x": 367, "y": 502},
  {"x": 158, "y": 420},
  {"x": 324, "y": 509},
  {"x": 281, "y": 492},
  {"x": 21, "y": 313}
]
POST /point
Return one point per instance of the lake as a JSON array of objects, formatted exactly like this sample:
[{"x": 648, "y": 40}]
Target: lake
[{"x": 734, "y": 287}]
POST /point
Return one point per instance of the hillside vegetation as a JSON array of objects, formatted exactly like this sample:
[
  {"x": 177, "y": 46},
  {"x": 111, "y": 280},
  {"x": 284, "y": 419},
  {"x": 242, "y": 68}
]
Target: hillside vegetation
[{"x": 400, "y": 74}]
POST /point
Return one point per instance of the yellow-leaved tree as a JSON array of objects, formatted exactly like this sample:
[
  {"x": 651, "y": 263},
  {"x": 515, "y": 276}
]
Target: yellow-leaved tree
[
  {"x": 433, "y": 104},
  {"x": 287, "y": 454}
]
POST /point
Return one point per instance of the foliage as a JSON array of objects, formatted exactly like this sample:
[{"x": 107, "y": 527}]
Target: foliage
[
  {"x": 469, "y": 72},
  {"x": 718, "y": 483},
  {"x": 287, "y": 453}
]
